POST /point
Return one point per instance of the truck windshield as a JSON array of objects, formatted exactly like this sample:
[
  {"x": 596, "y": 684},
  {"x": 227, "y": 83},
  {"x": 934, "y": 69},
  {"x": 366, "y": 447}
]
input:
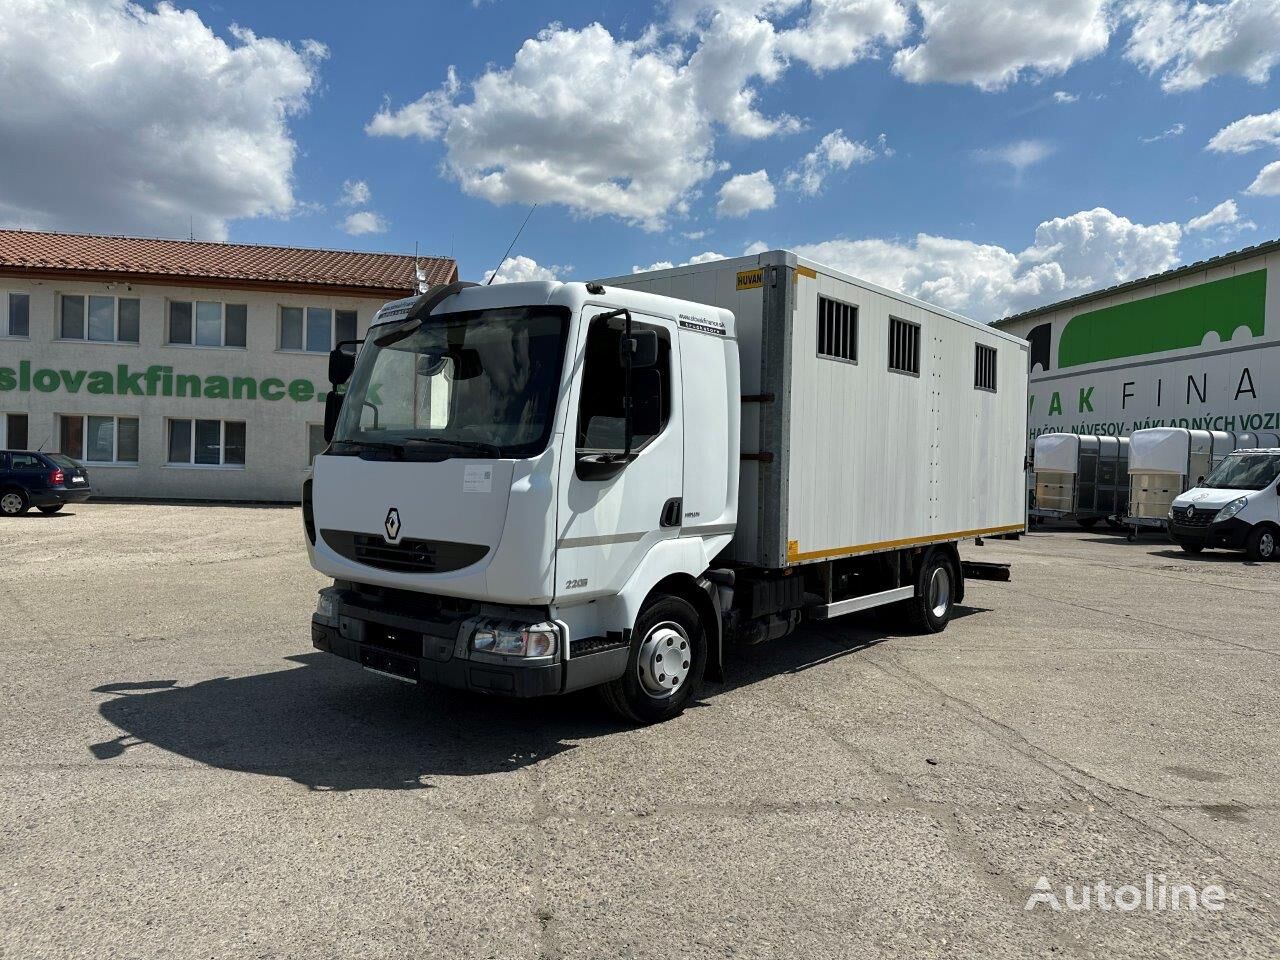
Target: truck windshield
[
  {"x": 1248, "y": 471},
  {"x": 481, "y": 383}
]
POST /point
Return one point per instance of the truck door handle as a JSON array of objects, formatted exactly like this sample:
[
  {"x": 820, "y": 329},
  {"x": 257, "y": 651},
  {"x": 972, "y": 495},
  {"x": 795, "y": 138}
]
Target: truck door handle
[{"x": 671, "y": 512}]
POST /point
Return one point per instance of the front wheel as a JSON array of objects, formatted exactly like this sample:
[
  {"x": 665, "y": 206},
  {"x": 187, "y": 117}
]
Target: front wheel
[
  {"x": 929, "y": 611},
  {"x": 1192, "y": 548},
  {"x": 1261, "y": 544},
  {"x": 665, "y": 668}
]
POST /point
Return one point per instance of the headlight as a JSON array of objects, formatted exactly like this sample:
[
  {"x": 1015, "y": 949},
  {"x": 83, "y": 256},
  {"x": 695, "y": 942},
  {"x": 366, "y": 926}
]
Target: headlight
[
  {"x": 1231, "y": 509},
  {"x": 510, "y": 640},
  {"x": 1171, "y": 514}
]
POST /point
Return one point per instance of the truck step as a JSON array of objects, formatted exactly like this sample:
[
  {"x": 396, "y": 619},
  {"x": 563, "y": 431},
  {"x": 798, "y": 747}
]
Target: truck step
[{"x": 976, "y": 570}]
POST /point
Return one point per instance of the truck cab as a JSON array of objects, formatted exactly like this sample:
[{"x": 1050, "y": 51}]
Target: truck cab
[
  {"x": 513, "y": 473},
  {"x": 1236, "y": 507}
]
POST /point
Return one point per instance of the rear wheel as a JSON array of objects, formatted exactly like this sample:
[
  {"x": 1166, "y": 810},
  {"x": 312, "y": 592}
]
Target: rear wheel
[
  {"x": 666, "y": 664},
  {"x": 13, "y": 503},
  {"x": 52, "y": 508},
  {"x": 930, "y": 609},
  {"x": 1262, "y": 544}
]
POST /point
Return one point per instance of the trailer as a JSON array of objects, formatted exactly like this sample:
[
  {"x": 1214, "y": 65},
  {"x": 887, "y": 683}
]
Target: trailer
[
  {"x": 1165, "y": 462},
  {"x": 535, "y": 488},
  {"x": 1081, "y": 478}
]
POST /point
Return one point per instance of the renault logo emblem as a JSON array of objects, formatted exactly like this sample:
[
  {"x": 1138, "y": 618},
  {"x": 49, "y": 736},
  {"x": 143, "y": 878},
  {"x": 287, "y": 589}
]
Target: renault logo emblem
[{"x": 392, "y": 525}]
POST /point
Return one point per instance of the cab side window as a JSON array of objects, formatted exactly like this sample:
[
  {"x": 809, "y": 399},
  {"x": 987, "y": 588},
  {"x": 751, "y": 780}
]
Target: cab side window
[{"x": 601, "y": 415}]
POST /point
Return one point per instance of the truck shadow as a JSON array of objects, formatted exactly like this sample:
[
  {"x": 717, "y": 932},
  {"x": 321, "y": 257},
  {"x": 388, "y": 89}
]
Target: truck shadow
[{"x": 323, "y": 723}]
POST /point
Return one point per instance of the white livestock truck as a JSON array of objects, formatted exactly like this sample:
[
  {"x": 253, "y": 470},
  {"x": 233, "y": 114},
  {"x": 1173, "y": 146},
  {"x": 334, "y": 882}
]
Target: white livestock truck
[{"x": 534, "y": 488}]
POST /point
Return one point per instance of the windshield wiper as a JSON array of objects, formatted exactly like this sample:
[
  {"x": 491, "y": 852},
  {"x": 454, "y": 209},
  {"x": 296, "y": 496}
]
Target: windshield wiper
[{"x": 488, "y": 449}]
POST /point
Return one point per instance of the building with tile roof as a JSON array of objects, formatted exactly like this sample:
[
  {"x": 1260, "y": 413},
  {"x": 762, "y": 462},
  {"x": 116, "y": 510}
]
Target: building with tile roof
[{"x": 182, "y": 369}]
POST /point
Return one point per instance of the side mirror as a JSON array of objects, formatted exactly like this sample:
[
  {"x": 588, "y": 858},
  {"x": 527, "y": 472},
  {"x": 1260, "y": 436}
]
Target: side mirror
[
  {"x": 639, "y": 350},
  {"x": 1199, "y": 481},
  {"x": 342, "y": 361},
  {"x": 332, "y": 407}
]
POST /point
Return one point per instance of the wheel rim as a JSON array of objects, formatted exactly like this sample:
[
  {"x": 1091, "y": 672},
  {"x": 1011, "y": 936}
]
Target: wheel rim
[
  {"x": 666, "y": 655},
  {"x": 1267, "y": 545},
  {"x": 10, "y": 503},
  {"x": 940, "y": 591}
]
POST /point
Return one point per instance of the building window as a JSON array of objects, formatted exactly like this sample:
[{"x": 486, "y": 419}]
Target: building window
[
  {"x": 984, "y": 368},
  {"x": 204, "y": 323},
  {"x": 837, "y": 330},
  {"x": 18, "y": 316},
  {"x": 315, "y": 329},
  {"x": 904, "y": 346},
  {"x": 109, "y": 319},
  {"x": 211, "y": 443},
  {"x": 98, "y": 439},
  {"x": 13, "y": 431},
  {"x": 315, "y": 441}
]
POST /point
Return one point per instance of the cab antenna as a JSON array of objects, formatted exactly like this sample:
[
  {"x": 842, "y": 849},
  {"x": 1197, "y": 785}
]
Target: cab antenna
[{"x": 513, "y": 243}]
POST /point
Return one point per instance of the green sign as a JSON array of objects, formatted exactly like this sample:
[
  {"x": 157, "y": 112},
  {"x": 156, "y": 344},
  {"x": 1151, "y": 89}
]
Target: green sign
[
  {"x": 1171, "y": 321},
  {"x": 154, "y": 381}
]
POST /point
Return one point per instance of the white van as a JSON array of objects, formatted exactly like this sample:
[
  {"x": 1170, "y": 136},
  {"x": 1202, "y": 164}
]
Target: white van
[{"x": 1237, "y": 507}]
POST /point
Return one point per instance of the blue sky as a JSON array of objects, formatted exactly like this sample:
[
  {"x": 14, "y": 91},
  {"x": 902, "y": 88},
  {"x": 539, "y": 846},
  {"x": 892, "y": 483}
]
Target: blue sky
[{"x": 986, "y": 154}]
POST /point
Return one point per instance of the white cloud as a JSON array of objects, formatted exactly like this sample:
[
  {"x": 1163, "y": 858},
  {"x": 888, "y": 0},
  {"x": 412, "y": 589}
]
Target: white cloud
[
  {"x": 993, "y": 43},
  {"x": 1069, "y": 255},
  {"x": 116, "y": 118},
  {"x": 833, "y": 152},
  {"x": 355, "y": 193},
  {"x": 1248, "y": 133},
  {"x": 520, "y": 269},
  {"x": 755, "y": 248},
  {"x": 426, "y": 118},
  {"x": 1267, "y": 183},
  {"x": 837, "y": 33},
  {"x": 600, "y": 125},
  {"x": 364, "y": 221},
  {"x": 1018, "y": 155},
  {"x": 1062, "y": 96},
  {"x": 708, "y": 257},
  {"x": 745, "y": 193},
  {"x": 605, "y": 125},
  {"x": 1188, "y": 44},
  {"x": 1225, "y": 218},
  {"x": 1177, "y": 130}
]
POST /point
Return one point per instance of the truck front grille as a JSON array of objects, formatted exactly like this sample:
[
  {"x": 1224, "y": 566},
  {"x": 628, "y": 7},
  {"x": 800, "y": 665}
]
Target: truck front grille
[
  {"x": 1191, "y": 517},
  {"x": 407, "y": 556}
]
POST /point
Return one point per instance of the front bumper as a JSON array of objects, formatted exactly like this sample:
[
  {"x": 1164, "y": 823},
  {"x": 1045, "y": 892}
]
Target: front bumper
[
  {"x": 414, "y": 644},
  {"x": 1228, "y": 535}
]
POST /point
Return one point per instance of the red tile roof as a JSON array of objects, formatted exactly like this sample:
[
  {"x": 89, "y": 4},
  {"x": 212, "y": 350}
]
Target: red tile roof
[{"x": 199, "y": 263}]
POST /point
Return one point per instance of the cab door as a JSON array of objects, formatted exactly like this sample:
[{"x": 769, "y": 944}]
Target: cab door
[{"x": 606, "y": 524}]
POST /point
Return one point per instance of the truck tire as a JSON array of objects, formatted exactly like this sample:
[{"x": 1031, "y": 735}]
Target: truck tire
[
  {"x": 1261, "y": 544},
  {"x": 1087, "y": 523},
  {"x": 929, "y": 611},
  {"x": 13, "y": 502},
  {"x": 664, "y": 670},
  {"x": 1192, "y": 548},
  {"x": 51, "y": 509}
]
